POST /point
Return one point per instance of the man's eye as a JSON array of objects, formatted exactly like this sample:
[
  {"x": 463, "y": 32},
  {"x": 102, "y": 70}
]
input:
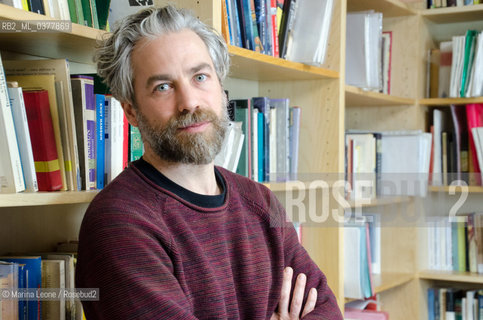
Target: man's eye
[
  {"x": 162, "y": 87},
  {"x": 201, "y": 77}
]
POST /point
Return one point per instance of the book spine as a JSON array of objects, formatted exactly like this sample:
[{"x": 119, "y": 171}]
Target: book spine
[
  {"x": 295, "y": 113},
  {"x": 275, "y": 48},
  {"x": 135, "y": 144},
  {"x": 23, "y": 138},
  {"x": 100, "y": 103},
  {"x": 41, "y": 130},
  {"x": 125, "y": 142},
  {"x": 13, "y": 181},
  {"x": 90, "y": 127}
]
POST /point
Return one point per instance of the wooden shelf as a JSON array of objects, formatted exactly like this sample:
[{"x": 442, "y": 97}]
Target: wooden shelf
[
  {"x": 381, "y": 202},
  {"x": 45, "y": 198},
  {"x": 251, "y": 65},
  {"x": 452, "y": 276},
  {"x": 389, "y": 280},
  {"x": 390, "y": 8},
  {"x": 78, "y": 44},
  {"x": 446, "y": 189},
  {"x": 454, "y": 14},
  {"x": 449, "y": 101},
  {"x": 356, "y": 97}
]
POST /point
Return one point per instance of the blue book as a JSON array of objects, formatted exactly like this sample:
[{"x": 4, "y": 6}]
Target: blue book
[
  {"x": 431, "y": 304},
  {"x": 262, "y": 104},
  {"x": 33, "y": 267},
  {"x": 100, "y": 103}
]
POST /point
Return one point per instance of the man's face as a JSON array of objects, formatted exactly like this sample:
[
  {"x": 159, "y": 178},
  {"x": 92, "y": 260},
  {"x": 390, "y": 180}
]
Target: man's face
[{"x": 180, "y": 106}]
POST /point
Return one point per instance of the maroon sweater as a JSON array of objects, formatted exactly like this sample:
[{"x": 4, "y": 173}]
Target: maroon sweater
[{"x": 154, "y": 255}]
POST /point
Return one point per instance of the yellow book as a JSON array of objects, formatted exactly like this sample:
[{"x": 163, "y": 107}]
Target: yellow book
[{"x": 47, "y": 82}]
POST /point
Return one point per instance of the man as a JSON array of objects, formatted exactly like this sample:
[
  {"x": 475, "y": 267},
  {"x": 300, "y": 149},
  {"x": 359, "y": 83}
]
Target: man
[{"x": 173, "y": 237}]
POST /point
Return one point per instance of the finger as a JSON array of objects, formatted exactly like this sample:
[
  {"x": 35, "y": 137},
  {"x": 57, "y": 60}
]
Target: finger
[
  {"x": 285, "y": 293},
  {"x": 310, "y": 304},
  {"x": 298, "y": 296}
]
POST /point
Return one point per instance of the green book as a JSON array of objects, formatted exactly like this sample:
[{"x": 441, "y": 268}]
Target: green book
[
  {"x": 135, "y": 144},
  {"x": 72, "y": 11},
  {"x": 470, "y": 44},
  {"x": 79, "y": 12},
  {"x": 95, "y": 19},
  {"x": 86, "y": 10}
]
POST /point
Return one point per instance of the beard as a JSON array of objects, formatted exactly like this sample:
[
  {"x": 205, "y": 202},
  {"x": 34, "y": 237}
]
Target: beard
[{"x": 173, "y": 145}]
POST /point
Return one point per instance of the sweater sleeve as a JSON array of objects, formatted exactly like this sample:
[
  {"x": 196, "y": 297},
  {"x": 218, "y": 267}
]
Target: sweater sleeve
[
  {"x": 134, "y": 273},
  {"x": 297, "y": 257}
]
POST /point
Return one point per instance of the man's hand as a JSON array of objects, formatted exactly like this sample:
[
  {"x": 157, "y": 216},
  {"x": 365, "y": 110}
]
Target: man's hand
[{"x": 290, "y": 310}]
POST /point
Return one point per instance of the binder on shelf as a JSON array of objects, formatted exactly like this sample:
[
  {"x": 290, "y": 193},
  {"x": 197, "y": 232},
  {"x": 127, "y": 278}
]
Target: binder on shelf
[
  {"x": 308, "y": 40},
  {"x": 363, "y": 50}
]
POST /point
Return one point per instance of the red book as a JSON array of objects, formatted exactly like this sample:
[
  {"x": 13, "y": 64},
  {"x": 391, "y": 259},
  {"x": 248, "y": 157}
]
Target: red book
[
  {"x": 125, "y": 142},
  {"x": 47, "y": 166},
  {"x": 474, "y": 113}
]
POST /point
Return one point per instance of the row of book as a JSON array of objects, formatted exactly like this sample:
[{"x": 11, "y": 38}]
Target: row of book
[
  {"x": 268, "y": 149},
  {"x": 455, "y": 303},
  {"x": 431, "y": 4},
  {"x": 386, "y": 163},
  {"x": 456, "y": 68},
  {"x": 456, "y": 245},
  {"x": 24, "y": 277},
  {"x": 91, "y": 13},
  {"x": 457, "y": 149},
  {"x": 56, "y": 133},
  {"x": 368, "y": 52},
  {"x": 362, "y": 255},
  {"x": 289, "y": 29}
]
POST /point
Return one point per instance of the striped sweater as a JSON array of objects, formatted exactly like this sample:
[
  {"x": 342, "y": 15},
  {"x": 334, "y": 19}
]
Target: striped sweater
[{"x": 154, "y": 255}]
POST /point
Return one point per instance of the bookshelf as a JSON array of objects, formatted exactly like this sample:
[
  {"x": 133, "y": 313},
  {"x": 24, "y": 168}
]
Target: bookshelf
[{"x": 36, "y": 221}]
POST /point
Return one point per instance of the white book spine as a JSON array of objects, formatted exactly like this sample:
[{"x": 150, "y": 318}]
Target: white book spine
[
  {"x": 11, "y": 175},
  {"x": 23, "y": 138}
]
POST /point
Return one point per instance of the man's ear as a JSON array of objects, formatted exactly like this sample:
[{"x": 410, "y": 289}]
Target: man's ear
[{"x": 130, "y": 113}]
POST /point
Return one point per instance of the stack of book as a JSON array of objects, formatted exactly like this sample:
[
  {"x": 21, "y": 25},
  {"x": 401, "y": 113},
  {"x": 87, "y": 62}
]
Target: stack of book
[
  {"x": 368, "y": 52},
  {"x": 454, "y": 303},
  {"x": 58, "y": 133},
  {"x": 455, "y": 145},
  {"x": 91, "y": 13},
  {"x": 432, "y": 4},
  {"x": 456, "y": 68},
  {"x": 457, "y": 244},
  {"x": 269, "y": 149},
  {"x": 279, "y": 28},
  {"x": 387, "y": 163},
  {"x": 362, "y": 255}
]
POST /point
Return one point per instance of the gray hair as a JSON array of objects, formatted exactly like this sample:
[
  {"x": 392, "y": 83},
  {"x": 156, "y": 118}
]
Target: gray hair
[{"x": 113, "y": 54}]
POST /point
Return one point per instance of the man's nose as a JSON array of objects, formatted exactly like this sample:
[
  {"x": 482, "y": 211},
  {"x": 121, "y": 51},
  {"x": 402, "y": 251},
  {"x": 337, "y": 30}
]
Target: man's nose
[{"x": 187, "y": 98}]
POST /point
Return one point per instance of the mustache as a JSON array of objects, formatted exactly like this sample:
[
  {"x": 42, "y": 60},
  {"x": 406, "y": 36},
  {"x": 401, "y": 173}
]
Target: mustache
[{"x": 188, "y": 119}]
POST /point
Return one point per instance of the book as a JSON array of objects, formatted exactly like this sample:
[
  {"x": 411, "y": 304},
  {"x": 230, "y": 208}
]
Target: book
[
  {"x": 475, "y": 85},
  {"x": 286, "y": 23},
  {"x": 47, "y": 164},
  {"x": 47, "y": 82},
  {"x": 113, "y": 139},
  {"x": 457, "y": 66},
  {"x": 100, "y": 149},
  {"x": 386, "y": 56},
  {"x": 458, "y": 114},
  {"x": 282, "y": 125},
  {"x": 85, "y": 119},
  {"x": 32, "y": 267},
  {"x": 9, "y": 281},
  {"x": 136, "y": 147},
  {"x": 433, "y": 78},
  {"x": 11, "y": 174},
  {"x": 469, "y": 55},
  {"x": 243, "y": 110},
  {"x": 474, "y": 113},
  {"x": 23, "y": 137},
  {"x": 53, "y": 277},
  {"x": 294, "y": 137},
  {"x": 445, "y": 62},
  {"x": 61, "y": 70},
  {"x": 478, "y": 140}
]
